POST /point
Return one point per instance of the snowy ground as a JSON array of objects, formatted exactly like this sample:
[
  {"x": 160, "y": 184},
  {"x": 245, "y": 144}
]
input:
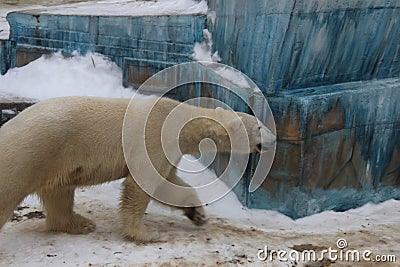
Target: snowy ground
[{"x": 233, "y": 235}]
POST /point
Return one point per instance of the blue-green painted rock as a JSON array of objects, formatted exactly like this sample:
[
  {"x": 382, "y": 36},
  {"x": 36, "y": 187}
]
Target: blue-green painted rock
[
  {"x": 295, "y": 44},
  {"x": 129, "y": 41}
]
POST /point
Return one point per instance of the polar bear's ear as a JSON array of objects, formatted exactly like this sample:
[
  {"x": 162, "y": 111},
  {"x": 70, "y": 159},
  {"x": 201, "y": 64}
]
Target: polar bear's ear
[{"x": 219, "y": 110}]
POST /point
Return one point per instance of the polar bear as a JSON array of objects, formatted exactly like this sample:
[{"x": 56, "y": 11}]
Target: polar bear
[{"x": 59, "y": 144}]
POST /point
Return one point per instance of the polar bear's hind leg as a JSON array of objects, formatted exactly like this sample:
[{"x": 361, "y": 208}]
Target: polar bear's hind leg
[
  {"x": 58, "y": 203},
  {"x": 12, "y": 192},
  {"x": 7, "y": 206}
]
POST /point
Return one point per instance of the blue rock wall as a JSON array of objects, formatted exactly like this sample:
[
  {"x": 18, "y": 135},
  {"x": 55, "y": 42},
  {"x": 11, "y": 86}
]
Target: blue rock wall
[
  {"x": 339, "y": 145},
  {"x": 295, "y": 44},
  {"x": 339, "y": 148},
  {"x": 338, "y": 142},
  {"x": 126, "y": 40}
]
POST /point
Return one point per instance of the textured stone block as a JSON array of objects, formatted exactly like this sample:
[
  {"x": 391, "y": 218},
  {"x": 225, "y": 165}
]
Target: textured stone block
[
  {"x": 300, "y": 44},
  {"x": 26, "y": 54},
  {"x": 157, "y": 38},
  {"x": 339, "y": 147}
]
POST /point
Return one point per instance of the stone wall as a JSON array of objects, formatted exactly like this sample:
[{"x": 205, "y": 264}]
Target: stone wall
[
  {"x": 335, "y": 139},
  {"x": 295, "y": 44},
  {"x": 129, "y": 41},
  {"x": 339, "y": 140}
]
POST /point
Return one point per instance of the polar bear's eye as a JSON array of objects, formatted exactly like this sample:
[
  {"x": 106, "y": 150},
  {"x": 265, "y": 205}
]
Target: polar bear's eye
[{"x": 259, "y": 128}]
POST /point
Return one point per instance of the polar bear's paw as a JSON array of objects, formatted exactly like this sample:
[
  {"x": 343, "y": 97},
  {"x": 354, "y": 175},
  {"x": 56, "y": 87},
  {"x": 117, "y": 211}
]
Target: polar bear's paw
[
  {"x": 141, "y": 234},
  {"x": 196, "y": 215},
  {"x": 77, "y": 225},
  {"x": 82, "y": 225}
]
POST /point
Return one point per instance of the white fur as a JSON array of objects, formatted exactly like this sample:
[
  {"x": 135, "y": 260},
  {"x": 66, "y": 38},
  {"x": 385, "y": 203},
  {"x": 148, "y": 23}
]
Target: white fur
[{"x": 59, "y": 144}]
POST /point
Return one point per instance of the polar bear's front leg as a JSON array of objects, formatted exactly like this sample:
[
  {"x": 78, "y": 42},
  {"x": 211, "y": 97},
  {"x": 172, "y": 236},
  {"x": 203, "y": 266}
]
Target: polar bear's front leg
[
  {"x": 58, "y": 203},
  {"x": 133, "y": 205},
  {"x": 196, "y": 213}
]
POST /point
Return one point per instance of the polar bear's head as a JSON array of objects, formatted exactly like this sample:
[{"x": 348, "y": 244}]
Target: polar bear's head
[
  {"x": 199, "y": 129},
  {"x": 260, "y": 136},
  {"x": 236, "y": 126}
]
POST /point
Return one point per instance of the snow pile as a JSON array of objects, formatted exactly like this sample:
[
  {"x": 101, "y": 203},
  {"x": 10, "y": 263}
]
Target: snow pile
[
  {"x": 55, "y": 76},
  {"x": 131, "y": 8},
  {"x": 203, "y": 51}
]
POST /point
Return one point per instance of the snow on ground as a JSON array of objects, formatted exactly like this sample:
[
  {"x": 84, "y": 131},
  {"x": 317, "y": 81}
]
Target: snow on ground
[{"x": 232, "y": 236}]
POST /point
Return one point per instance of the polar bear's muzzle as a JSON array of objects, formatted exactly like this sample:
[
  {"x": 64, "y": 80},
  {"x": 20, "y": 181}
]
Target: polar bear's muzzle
[{"x": 258, "y": 148}]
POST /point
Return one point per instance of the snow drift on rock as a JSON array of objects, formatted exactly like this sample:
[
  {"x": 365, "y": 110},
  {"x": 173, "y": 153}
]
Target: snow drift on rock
[
  {"x": 56, "y": 76},
  {"x": 131, "y": 8}
]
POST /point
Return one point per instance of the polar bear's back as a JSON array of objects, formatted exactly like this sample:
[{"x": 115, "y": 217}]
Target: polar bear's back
[
  {"x": 61, "y": 118},
  {"x": 56, "y": 133}
]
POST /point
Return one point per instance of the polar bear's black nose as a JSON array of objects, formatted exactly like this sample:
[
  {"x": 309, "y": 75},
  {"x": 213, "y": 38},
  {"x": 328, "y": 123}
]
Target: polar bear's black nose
[{"x": 259, "y": 146}]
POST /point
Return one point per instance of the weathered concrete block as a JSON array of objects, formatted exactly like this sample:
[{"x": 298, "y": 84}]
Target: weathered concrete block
[
  {"x": 300, "y": 44},
  {"x": 26, "y": 54},
  {"x": 137, "y": 71},
  {"x": 335, "y": 118},
  {"x": 339, "y": 147},
  {"x": 156, "y": 38}
]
